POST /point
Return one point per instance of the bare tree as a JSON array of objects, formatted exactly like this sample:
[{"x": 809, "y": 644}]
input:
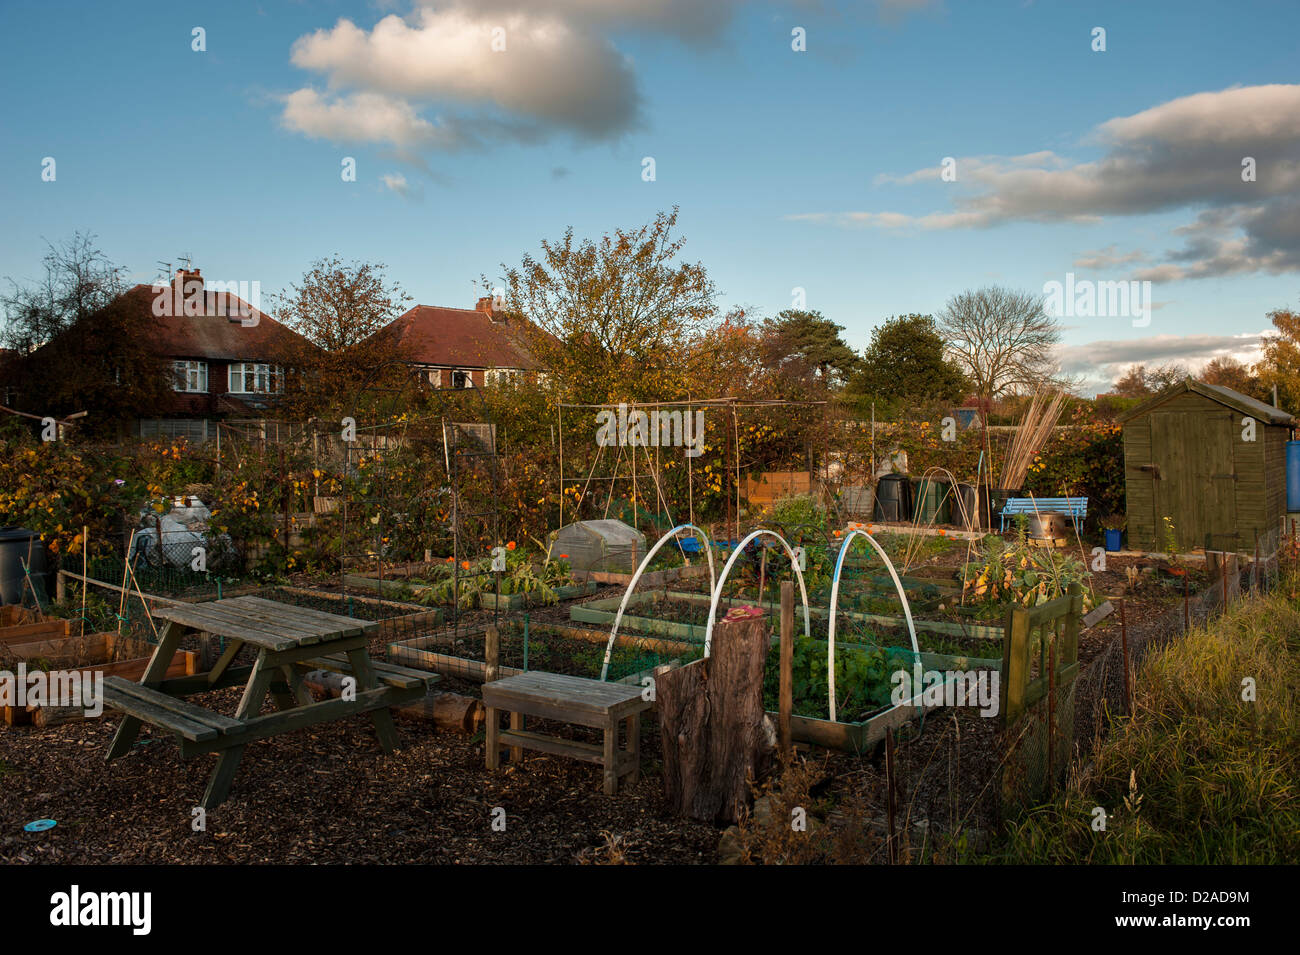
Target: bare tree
[
  {"x": 79, "y": 280},
  {"x": 1002, "y": 339},
  {"x": 79, "y": 343}
]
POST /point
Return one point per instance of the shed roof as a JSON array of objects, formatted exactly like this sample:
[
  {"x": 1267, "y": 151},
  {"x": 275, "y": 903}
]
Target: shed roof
[{"x": 1224, "y": 396}]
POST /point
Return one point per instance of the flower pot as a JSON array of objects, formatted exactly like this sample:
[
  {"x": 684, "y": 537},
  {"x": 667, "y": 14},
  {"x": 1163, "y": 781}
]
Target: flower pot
[{"x": 1113, "y": 539}]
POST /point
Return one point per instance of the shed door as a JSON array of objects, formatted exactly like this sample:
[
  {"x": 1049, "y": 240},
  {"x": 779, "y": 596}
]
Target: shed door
[{"x": 1197, "y": 483}]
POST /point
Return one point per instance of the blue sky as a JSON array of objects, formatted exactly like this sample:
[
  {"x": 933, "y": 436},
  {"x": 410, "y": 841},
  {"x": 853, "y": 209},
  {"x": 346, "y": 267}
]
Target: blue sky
[{"x": 817, "y": 170}]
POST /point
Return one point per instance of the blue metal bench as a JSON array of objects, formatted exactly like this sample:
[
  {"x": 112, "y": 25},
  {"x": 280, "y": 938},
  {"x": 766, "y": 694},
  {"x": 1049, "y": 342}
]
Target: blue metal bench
[{"x": 1076, "y": 508}]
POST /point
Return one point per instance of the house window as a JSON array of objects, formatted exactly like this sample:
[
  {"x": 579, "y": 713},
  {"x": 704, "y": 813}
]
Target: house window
[
  {"x": 434, "y": 376},
  {"x": 190, "y": 375},
  {"x": 192, "y": 429},
  {"x": 501, "y": 376},
  {"x": 250, "y": 378},
  {"x": 461, "y": 379}
]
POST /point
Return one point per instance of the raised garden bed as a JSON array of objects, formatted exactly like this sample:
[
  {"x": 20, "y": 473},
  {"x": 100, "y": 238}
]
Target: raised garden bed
[
  {"x": 573, "y": 651},
  {"x": 394, "y": 616},
  {"x": 490, "y": 601},
  {"x": 692, "y": 625},
  {"x": 51, "y": 646},
  {"x": 862, "y": 670},
  {"x": 651, "y": 578}
]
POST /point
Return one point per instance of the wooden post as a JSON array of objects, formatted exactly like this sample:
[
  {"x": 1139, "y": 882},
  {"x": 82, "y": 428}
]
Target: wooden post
[
  {"x": 1015, "y": 664},
  {"x": 491, "y": 671},
  {"x": 786, "y": 706},
  {"x": 711, "y": 722}
]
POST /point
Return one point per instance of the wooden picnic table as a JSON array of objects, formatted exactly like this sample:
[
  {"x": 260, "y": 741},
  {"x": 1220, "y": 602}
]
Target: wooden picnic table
[{"x": 287, "y": 638}]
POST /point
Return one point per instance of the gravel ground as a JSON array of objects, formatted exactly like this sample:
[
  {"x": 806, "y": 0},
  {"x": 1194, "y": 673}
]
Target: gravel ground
[{"x": 323, "y": 795}]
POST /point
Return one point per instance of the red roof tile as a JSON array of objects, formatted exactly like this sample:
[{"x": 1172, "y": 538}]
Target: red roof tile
[
  {"x": 229, "y": 327},
  {"x": 459, "y": 338}
]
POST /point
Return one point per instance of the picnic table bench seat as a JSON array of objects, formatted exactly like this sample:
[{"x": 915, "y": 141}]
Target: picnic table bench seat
[
  {"x": 390, "y": 674},
  {"x": 186, "y": 720},
  {"x": 1076, "y": 508}
]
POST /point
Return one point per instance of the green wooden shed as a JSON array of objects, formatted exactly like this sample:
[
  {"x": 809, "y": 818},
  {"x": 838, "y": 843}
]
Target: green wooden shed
[{"x": 1210, "y": 459}]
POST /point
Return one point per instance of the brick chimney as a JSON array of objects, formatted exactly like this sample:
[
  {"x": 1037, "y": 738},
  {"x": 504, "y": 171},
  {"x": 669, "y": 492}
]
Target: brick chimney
[
  {"x": 187, "y": 293},
  {"x": 485, "y": 306}
]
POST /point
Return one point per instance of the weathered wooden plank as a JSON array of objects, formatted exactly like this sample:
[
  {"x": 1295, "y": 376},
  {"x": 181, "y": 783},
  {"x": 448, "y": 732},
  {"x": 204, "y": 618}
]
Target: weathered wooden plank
[
  {"x": 197, "y": 618},
  {"x": 387, "y": 672},
  {"x": 311, "y": 613},
  {"x": 155, "y": 715},
  {"x": 26, "y": 633},
  {"x": 574, "y": 749},
  {"x": 270, "y": 621},
  {"x": 302, "y": 717},
  {"x": 172, "y": 704}
]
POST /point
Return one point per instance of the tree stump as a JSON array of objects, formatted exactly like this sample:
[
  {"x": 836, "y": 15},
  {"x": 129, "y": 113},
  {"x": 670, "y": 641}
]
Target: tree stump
[{"x": 711, "y": 721}]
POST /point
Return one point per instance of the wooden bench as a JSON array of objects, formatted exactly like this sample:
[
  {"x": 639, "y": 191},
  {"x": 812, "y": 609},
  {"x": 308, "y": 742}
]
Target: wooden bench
[
  {"x": 1076, "y": 508},
  {"x": 171, "y": 713},
  {"x": 567, "y": 699},
  {"x": 389, "y": 674}
]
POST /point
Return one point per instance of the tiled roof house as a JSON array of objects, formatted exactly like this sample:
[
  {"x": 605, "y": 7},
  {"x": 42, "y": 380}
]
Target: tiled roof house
[
  {"x": 226, "y": 355},
  {"x": 462, "y": 347}
]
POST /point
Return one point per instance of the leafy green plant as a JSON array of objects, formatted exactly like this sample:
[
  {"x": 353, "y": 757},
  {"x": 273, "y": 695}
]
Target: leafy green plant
[
  {"x": 797, "y": 512},
  {"x": 862, "y": 680},
  {"x": 1019, "y": 573},
  {"x": 521, "y": 576}
]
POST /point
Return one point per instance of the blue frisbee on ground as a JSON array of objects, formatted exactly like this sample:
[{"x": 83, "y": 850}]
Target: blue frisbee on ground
[{"x": 40, "y": 825}]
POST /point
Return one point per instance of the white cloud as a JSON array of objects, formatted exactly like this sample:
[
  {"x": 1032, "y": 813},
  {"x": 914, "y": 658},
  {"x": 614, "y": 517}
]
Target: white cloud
[
  {"x": 1100, "y": 363},
  {"x": 361, "y": 117},
  {"x": 1107, "y": 258},
  {"x": 1183, "y": 154},
  {"x": 396, "y": 182},
  {"x": 689, "y": 20},
  {"x": 550, "y": 76}
]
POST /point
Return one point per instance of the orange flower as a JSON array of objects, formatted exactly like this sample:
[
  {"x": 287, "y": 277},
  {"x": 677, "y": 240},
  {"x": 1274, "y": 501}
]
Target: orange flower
[
  {"x": 510, "y": 545},
  {"x": 839, "y": 533},
  {"x": 464, "y": 565},
  {"x": 564, "y": 557},
  {"x": 450, "y": 559},
  {"x": 942, "y": 532}
]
